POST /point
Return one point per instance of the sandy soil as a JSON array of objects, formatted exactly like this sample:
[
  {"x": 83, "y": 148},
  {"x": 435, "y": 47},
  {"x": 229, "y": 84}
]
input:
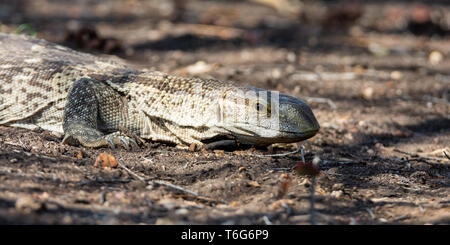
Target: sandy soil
[{"x": 380, "y": 145}]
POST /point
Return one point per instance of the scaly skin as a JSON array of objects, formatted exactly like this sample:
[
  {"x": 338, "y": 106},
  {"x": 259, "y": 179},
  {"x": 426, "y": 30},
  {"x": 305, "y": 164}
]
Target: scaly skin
[{"x": 102, "y": 102}]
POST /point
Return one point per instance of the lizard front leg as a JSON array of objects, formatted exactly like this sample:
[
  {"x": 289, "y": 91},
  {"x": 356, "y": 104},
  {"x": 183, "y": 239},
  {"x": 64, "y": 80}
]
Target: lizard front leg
[{"x": 81, "y": 119}]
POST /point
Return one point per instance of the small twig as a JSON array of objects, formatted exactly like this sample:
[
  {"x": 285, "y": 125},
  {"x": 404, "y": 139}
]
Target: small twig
[
  {"x": 278, "y": 155},
  {"x": 417, "y": 155},
  {"x": 406, "y": 153},
  {"x": 370, "y": 211},
  {"x": 445, "y": 153},
  {"x": 266, "y": 220},
  {"x": 321, "y": 100},
  {"x": 335, "y": 174},
  {"x": 403, "y": 217},
  {"x": 345, "y": 162},
  {"x": 204, "y": 161},
  {"x": 311, "y": 201},
  {"x": 214, "y": 30},
  {"x": 13, "y": 144},
  {"x": 148, "y": 160},
  {"x": 281, "y": 169},
  {"x": 300, "y": 147},
  {"x": 286, "y": 208},
  {"x": 131, "y": 172},
  {"x": 174, "y": 187},
  {"x": 28, "y": 154},
  {"x": 158, "y": 182},
  {"x": 312, "y": 190}
]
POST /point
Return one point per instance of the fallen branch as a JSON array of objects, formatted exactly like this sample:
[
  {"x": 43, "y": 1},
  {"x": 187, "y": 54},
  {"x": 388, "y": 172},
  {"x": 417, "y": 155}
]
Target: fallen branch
[{"x": 136, "y": 176}]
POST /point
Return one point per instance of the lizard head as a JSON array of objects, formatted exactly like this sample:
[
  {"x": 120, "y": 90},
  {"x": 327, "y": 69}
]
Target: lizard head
[{"x": 267, "y": 117}]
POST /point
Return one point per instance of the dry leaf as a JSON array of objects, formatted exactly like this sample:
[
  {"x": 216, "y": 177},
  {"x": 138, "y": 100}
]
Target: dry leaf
[
  {"x": 435, "y": 57},
  {"x": 254, "y": 183},
  {"x": 284, "y": 186},
  {"x": 219, "y": 153},
  {"x": 80, "y": 155},
  {"x": 105, "y": 160},
  {"x": 368, "y": 93},
  {"x": 235, "y": 204}
]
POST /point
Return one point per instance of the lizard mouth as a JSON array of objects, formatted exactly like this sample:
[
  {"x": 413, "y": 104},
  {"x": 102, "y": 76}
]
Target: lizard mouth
[
  {"x": 280, "y": 137},
  {"x": 295, "y": 136}
]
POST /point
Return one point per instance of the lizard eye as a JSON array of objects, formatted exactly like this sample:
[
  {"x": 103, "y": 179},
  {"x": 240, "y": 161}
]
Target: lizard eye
[
  {"x": 259, "y": 107},
  {"x": 262, "y": 108}
]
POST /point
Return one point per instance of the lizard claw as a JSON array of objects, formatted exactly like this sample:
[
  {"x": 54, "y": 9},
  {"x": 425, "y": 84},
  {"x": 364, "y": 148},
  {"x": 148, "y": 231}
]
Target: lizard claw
[
  {"x": 111, "y": 143},
  {"x": 124, "y": 142},
  {"x": 120, "y": 139},
  {"x": 133, "y": 142},
  {"x": 93, "y": 138}
]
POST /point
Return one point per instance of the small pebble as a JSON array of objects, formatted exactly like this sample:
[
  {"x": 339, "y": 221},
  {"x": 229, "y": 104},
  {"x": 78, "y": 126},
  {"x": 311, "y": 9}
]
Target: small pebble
[
  {"x": 337, "y": 194},
  {"x": 338, "y": 186},
  {"x": 316, "y": 160},
  {"x": 396, "y": 75},
  {"x": 199, "y": 67},
  {"x": 276, "y": 73},
  {"x": 181, "y": 211},
  {"x": 67, "y": 220},
  {"x": 383, "y": 220},
  {"x": 291, "y": 57},
  {"x": 435, "y": 57},
  {"x": 368, "y": 93},
  {"x": 27, "y": 204}
]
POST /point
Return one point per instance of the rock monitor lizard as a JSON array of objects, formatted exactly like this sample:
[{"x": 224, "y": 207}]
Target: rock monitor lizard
[{"x": 96, "y": 101}]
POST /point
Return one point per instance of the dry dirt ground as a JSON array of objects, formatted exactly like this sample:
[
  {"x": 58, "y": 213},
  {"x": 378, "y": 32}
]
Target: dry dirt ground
[{"x": 380, "y": 145}]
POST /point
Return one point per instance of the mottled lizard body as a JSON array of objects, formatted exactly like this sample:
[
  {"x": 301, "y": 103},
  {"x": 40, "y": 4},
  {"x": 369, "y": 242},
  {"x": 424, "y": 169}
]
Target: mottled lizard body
[{"x": 98, "y": 102}]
